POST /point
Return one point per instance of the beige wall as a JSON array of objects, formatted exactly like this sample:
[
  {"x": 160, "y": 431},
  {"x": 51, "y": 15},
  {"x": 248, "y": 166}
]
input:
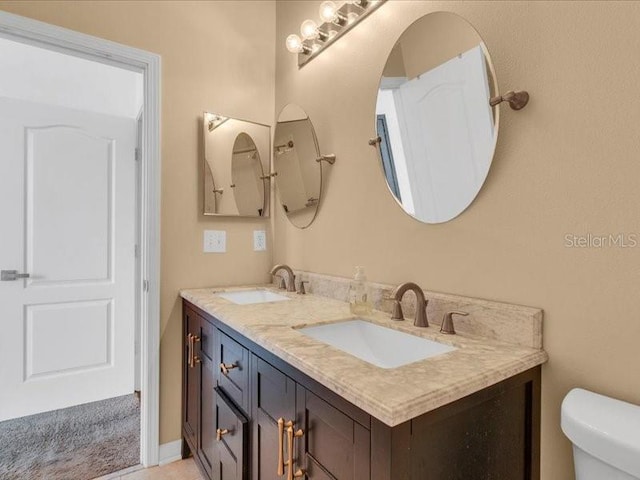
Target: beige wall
[
  {"x": 216, "y": 56},
  {"x": 568, "y": 163}
]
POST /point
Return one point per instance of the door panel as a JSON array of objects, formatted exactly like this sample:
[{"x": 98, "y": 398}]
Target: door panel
[
  {"x": 51, "y": 350},
  {"x": 67, "y": 207},
  {"x": 273, "y": 399},
  {"x": 333, "y": 446},
  {"x": 231, "y": 454},
  {"x": 192, "y": 376},
  {"x": 208, "y": 442},
  {"x": 63, "y": 212}
]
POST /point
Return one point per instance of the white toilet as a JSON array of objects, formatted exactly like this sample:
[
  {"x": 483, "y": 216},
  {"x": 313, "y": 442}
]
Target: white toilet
[{"x": 605, "y": 433}]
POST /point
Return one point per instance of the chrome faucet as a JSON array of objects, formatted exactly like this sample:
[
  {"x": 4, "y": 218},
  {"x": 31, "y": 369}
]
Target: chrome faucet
[
  {"x": 291, "y": 284},
  {"x": 421, "y": 304}
]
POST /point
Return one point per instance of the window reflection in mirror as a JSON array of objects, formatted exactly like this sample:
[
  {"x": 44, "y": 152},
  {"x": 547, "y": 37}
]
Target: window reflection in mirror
[
  {"x": 299, "y": 176},
  {"x": 437, "y": 130},
  {"x": 236, "y": 167}
]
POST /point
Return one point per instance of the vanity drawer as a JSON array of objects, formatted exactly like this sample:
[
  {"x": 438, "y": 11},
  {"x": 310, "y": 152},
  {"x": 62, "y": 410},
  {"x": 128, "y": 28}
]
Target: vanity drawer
[
  {"x": 233, "y": 370},
  {"x": 232, "y": 430}
]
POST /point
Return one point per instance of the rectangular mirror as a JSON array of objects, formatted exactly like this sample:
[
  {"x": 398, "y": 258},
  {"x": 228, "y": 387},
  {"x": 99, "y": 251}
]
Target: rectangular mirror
[{"x": 236, "y": 167}]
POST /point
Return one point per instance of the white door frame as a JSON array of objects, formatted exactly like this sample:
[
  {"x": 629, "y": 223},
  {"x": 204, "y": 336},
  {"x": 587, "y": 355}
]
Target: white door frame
[{"x": 14, "y": 27}]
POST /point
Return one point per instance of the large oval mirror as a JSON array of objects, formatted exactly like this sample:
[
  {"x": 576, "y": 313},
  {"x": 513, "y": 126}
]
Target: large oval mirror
[
  {"x": 299, "y": 174},
  {"x": 437, "y": 132},
  {"x": 247, "y": 176}
]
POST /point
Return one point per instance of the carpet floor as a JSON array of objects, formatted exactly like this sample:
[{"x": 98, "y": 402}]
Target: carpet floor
[{"x": 75, "y": 443}]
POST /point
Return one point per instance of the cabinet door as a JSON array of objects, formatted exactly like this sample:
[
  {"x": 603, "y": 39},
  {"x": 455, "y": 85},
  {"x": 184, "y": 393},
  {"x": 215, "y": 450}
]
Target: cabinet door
[
  {"x": 207, "y": 428},
  {"x": 232, "y": 442},
  {"x": 191, "y": 378},
  {"x": 273, "y": 399},
  {"x": 332, "y": 446}
]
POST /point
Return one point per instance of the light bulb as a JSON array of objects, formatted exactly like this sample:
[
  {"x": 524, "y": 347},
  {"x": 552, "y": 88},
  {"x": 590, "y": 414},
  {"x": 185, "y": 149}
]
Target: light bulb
[
  {"x": 328, "y": 11},
  {"x": 352, "y": 17},
  {"x": 309, "y": 30},
  {"x": 294, "y": 43}
]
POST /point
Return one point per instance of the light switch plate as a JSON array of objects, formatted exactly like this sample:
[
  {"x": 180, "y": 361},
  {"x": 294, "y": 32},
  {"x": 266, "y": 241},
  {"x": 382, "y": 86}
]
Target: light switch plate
[
  {"x": 259, "y": 240},
  {"x": 215, "y": 241}
]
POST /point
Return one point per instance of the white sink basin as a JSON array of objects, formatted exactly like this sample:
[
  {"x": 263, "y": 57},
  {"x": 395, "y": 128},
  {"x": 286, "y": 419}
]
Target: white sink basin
[
  {"x": 380, "y": 346},
  {"x": 247, "y": 297}
]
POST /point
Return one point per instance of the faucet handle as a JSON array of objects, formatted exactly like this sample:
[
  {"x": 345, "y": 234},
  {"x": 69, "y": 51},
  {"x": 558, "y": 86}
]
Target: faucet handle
[
  {"x": 396, "y": 312},
  {"x": 447, "y": 322},
  {"x": 301, "y": 289}
]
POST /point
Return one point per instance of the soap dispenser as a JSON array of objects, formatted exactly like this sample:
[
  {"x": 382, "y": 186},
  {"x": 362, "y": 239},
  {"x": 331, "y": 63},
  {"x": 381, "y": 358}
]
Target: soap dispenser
[{"x": 358, "y": 294}]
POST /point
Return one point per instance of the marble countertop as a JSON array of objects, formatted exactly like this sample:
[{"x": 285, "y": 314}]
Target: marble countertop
[{"x": 393, "y": 396}]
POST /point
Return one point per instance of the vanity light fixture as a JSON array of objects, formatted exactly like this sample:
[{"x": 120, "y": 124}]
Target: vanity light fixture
[{"x": 336, "y": 21}]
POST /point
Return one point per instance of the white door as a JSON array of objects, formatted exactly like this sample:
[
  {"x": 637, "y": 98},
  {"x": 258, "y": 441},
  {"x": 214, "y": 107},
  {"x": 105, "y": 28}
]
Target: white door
[
  {"x": 447, "y": 131},
  {"x": 67, "y": 218}
]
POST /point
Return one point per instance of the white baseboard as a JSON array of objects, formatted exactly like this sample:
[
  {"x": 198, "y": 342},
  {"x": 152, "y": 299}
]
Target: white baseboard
[{"x": 170, "y": 452}]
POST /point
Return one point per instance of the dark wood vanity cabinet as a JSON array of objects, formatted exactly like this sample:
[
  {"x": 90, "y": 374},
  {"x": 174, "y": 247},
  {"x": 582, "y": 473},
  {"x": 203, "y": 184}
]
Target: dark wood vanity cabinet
[{"x": 243, "y": 406}]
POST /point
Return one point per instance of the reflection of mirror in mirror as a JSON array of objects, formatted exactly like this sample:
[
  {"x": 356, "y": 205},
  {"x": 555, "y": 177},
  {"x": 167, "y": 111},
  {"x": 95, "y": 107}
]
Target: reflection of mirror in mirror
[
  {"x": 299, "y": 176},
  {"x": 247, "y": 176},
  {"x": 436, "y": 128},
  {"x": 236, "y": 167}
]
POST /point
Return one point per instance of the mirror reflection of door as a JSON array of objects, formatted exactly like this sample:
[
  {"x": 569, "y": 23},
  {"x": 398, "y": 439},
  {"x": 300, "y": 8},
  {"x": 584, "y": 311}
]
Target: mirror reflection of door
[
  {"x": 436, "y": 126},
  {"x": 386, "y": 152}
]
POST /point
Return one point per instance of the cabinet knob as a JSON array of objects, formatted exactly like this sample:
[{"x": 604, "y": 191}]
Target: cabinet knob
[
  {"x": 220, "y": 432},
  {"x": 225, "y": 367}
]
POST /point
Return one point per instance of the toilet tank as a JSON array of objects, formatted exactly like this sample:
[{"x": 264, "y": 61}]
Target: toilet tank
[{"x": 603, "y": 428}]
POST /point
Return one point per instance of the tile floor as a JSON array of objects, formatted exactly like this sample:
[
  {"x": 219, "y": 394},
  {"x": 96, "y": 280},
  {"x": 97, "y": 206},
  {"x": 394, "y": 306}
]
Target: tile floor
[{"x": 180, "y": 470}]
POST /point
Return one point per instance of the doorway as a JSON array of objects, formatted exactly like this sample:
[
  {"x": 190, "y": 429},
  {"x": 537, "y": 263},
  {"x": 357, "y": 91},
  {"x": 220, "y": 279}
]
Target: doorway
[{"x": 80, "y": 218}]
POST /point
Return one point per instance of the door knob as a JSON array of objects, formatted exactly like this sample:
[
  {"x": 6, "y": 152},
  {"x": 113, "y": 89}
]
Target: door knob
[{"x": 10, "y": 275}]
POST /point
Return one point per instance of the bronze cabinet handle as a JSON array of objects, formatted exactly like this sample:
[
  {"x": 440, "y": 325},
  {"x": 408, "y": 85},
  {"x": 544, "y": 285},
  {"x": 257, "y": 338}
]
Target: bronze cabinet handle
[
  {"x": 189, "y": 350},
  {"x": 280, "y": 470},
  {"x": 290, "y": 436},
  {"x": 220, "y": 432},
  {"x": 193, "y": 358},
  {"x": 225, "y": 367}
]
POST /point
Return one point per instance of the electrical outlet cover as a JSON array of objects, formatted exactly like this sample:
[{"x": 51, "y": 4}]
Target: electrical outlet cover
[
  {"x": 259, "y": 240},
  {"x": 215, "y": 241}
]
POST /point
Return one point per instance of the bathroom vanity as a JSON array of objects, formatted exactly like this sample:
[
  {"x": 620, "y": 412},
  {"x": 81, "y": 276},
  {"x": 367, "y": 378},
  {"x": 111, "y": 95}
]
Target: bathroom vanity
[{"x": 261, "y": 400}]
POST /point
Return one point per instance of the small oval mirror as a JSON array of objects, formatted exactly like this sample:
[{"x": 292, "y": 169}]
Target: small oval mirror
[
  {"x": 436, "y": 130},
  {"x": 299, "y": 174},
  {"x": 247, "y": 176}
]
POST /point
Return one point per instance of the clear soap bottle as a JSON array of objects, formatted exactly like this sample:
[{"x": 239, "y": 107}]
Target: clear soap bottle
[{"x": 359, "y": 302}]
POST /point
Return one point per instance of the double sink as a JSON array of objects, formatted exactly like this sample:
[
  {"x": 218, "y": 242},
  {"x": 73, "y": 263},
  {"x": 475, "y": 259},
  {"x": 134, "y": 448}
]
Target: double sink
[{"x": 380, "y": 346}]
